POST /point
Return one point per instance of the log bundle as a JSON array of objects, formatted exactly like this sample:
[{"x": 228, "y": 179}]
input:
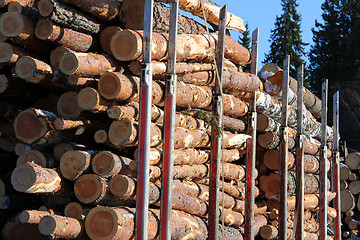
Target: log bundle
[{"x": 69, "y": 116}]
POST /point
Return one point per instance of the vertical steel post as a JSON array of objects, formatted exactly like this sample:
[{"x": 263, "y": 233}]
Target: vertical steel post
[
  {"x": 299, "y": 207},
  {"x": 251, "y": 148},
  {"x": 142, "y": 200},
  {"x": 283, "y": 171},
  {"x": 169, "y": 128},
  {"x": 323, "y": 201},
  {"x": 216, "y": 131},
  {"x": 336, "y": 167}
]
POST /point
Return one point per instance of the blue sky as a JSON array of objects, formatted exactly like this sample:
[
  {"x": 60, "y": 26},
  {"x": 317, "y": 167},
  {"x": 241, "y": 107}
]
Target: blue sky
[{"x": 262, "y": 14}]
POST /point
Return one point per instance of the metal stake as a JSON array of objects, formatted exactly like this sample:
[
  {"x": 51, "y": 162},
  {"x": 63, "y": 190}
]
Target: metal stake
[
  {"x": 169, "y": 128},
  {"x": 323, "y": 158},
  {"x": 336, "y": 167},
  {"x": 142, "y": 200},
  {"x": 216, "y": 129},
  {"x": 251, "y": 148},
  {"x": 283, "y": 171},
  {"x": 299, "y": 207}
]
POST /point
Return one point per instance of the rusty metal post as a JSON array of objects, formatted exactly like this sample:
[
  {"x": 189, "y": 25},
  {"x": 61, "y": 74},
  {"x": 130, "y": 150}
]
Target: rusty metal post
[
  {"x": 169, "y": 128},
  {"x": 299, "y": 207},
  {"x": 251, "y": 148},
  {"x": 216, "y": 131},
  {"x": 142, "y": 200},
  {"x": 323, "y": 202},
  {"x": 283, "y": 164},
  {"x": 336, "y": 167}
]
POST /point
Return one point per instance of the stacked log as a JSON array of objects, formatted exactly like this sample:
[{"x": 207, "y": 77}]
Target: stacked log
[{"x": 69, "y": 115}]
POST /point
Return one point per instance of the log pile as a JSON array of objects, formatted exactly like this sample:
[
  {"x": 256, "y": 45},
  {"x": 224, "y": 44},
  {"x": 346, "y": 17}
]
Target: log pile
[
  {"x": 350, "y": 205},
  {"x": 69, "y": 113}
]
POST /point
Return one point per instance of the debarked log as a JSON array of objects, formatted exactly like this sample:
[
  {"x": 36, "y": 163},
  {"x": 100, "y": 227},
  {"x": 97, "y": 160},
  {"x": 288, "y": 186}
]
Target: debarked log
[{"x": 189, "y": 47}]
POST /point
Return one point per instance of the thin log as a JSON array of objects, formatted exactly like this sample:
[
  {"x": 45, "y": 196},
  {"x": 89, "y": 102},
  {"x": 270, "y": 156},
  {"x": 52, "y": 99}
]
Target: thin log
[
  {"x": 33, "y": 70},
  {"x": 353, "y": 160},
  {"x": 63, "y": 124},
  {"x": 105, "y": 37},
  {"x": 56, "y": 226},
  {"x": 189, "y": 47},
  {"x": 9, "y": 53},
  {"x": 354, "y": 187},
  {"x": 105, "y": 10},
  {"x": 211, "y": 12},
  {"x": 131, "y": 110},
  {"x": 75, "y": 210},
  {"x": 33, "y": 216},
  {"x": 77, "y": 41},
  {"x": 74, "y": 163},
  {"x": 32, "y": 178},
  {"x": 87, "y": 64},
  {"x": 312, "y": 103},
  {"x": 56, "y": 55},
  {"x": 132, "y": 17},
  {"x": 67, "y": 105},
  {"x": 353, "y": 176},
  {"x": 21, "y": 30},
  {"x": 67, "y": 16},
  {"x": 90, "y": 99},
  {"x": 108, "y": 164}
]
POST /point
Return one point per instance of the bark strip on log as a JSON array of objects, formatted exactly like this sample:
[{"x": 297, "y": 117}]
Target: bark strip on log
[
  {"x": 67, "y": 16},
  {"x": 77, "y": 41},
  {"x": 33, "y": 216},
  {"x": 32, "y": 178},
  {"x": 189, "y": 47},
  {"x": 56, "y": 226}
]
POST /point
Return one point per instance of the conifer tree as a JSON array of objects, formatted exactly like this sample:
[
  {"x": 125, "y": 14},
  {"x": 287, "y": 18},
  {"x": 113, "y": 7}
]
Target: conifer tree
[
  {"x": 245, "y": 40},
  {"x": 286, "y": 38}
]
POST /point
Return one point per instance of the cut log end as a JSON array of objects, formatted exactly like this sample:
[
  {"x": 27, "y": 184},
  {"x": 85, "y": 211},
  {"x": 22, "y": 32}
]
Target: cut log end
[
  {"x": 44, "y": 29},
  {"x": 105, "y": 37},
  {"x": 262, "y": 122},
  {"x": 122, "y": 186},
  {"x": 14, "y": 7},
  {"x": 69, "y": 63},
  {"x": 100, "y": 136},
  {"x": 124, "y": 45},
  {"x": 47, "y": 225},
  {"x": 109, "y": 85},
  {"x": 11, "y": 24},
  {"x": 114, "y": 112},
  {"x": 104, "y": 163},
  {"x": 56, "y": 55},
  {"x": 74, "y": 210},
  {"x": 120, "y": 131},
  {"x": 25, "y": 67},
  {"x": 23, "y": 178},
  {"x": 74, "y": 163},
  {"x": 4, "y": 82},
  {"x": 88, "y": 98},
  {"x": 88, "y": 188},
  {"x": 33, "y": 156},
  {"x": 45, "y": 7},
  {"x": 6, "y": 52},
  {"x": 67, "y": 105},
  {"x": 60, "y": 149},
  {"x": 101, "y": 223},
  {"x": 35, "y": 127}
]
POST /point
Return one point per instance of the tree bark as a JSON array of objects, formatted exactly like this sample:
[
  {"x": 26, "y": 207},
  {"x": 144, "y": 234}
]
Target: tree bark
[
  {"x": 212, "y": 13},
  {"x": 77, "y": 41},
  {"x": 67, "y": 16},
  {"x": 33, "y": 216},
  {"x": 32, "y": 178},
  {"x": 56, "y": 226},
  {"x": 132, "y": 17},
  {"x": 107, "y": 164},
  {"x": 189, "y": 47},
  {"x": 21, "y": 30}
]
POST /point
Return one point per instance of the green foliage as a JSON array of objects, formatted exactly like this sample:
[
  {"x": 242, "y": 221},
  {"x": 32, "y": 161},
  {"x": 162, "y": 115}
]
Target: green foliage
[
  {"x": 286, "y": 38},
  {"x": 245, "y": 40}
]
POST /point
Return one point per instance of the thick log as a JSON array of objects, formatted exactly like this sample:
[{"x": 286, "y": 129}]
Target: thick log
[
  {"x": 74, "y": 163},
  {"x": 67, "y": 105},
  {"x": 33, "y": 70},
  {"x": 353, "y": 160},
  {"x": 67, "y": 16},
  {"x": 77, "y": 41},
  {"x": 132, "y": 17},
  {"x": 189, "y": 47},
  {"x": 56, "y": 226},
  {"x": 270, "y": 184},
  {"x": 75, "y": 210},
  {"x": 32, "y": 178},
  {"x": 10, "y": 53},
  {"x": 90, "y": 99},
  {"x": 108, "y": 164},
  {"x": 93, "y": 189},
  {"x": 21, "y": 30},
  {"x": 105, "y": 37},
  {"x": 105, "y": 10},
  {"x": 271, "y": 107},
  {"x": 312, "y": 103},
  {"x": 347, "y": 200},
  {"x": 235, "y": 83},
  {"x": 211, "y": 12},
  {"x": 33, "y": 216},
  {"x": 311, "y": 201},
  {"x": 87, "y": 64}
]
